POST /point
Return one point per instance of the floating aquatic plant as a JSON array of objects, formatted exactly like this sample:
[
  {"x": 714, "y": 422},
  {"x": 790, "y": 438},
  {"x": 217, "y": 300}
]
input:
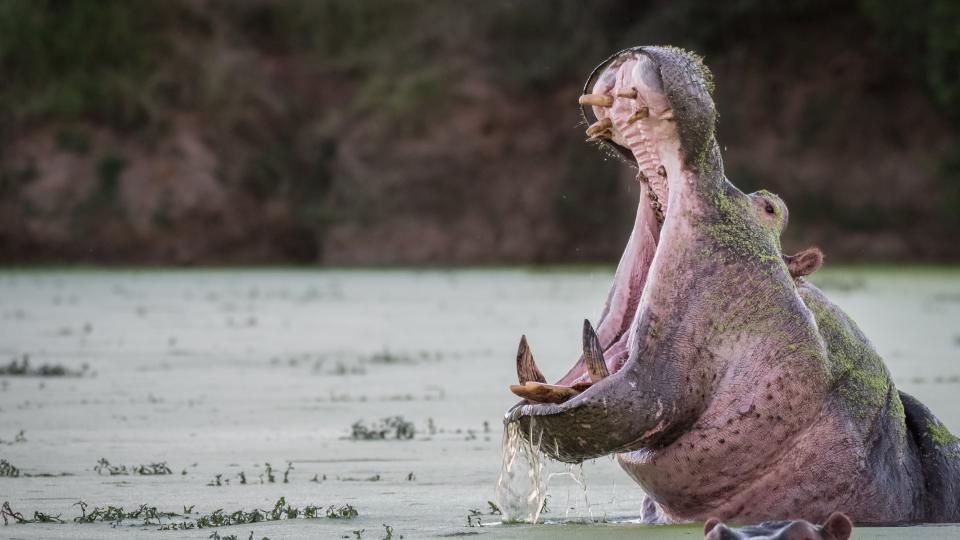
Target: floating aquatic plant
[
  {"x": 19, "y": 438},
  {"x": 103, "y": 466},
  {"x": 345, "y": 511},
  {"x": 7, "y": 469},
  {"x": 150, "y": 515},
  {"x": 391, "y": 427},
  {"x": 38, "y": 517},
  {"x": 20, "y": 367}
]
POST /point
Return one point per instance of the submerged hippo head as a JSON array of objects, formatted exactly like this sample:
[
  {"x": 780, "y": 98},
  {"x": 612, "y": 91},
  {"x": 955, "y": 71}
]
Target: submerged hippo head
[{"x": 836, "y": 527}]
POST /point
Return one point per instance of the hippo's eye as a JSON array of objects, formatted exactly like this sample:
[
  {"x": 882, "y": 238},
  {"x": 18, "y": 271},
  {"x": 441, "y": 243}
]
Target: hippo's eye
[{"x": 770, "y": 209}]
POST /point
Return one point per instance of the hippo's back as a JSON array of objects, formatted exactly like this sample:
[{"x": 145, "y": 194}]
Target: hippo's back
[{"x": 939, "y": 453}]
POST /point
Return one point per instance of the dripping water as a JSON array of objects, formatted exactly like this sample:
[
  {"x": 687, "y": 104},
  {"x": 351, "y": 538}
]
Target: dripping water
[
  {"x": 520, "y": 486},
  {"x": 524, "y": 481}
]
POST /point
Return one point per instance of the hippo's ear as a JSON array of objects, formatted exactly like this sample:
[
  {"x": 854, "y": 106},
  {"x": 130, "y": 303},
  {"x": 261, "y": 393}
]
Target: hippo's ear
[
  {"x": 804, "y": 263},
  {"x": 838, "y": 526},
  {"x": 709, "y": 525}
]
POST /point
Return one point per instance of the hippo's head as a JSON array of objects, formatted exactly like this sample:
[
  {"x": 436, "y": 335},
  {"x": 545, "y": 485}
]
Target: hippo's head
[
  {"x": 630, "y": 389},
  {"x": 836, "y": 527},
  {"x": 653, "y": 108}
]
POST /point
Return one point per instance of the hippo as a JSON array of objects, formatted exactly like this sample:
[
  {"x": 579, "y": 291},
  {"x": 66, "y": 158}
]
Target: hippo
[
  {"x": 725, "y": 383},
  {"x": 836, "y": 527}
]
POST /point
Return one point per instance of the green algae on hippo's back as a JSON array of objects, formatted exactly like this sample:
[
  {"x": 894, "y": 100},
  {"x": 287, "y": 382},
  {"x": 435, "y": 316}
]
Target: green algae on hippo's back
[
  {"x": 856, "y": 370},
  {"x": 941, "y": 435}
]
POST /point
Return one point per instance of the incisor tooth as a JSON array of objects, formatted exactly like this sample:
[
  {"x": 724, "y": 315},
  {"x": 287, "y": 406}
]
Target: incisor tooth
[
  {"x": 599, "y": 127},
  {"x": 527, "y": 369},
  {"x": 596, "y": 100},
  {"x": 629, "y": 94},
  {"x": 642, "y": 112}
]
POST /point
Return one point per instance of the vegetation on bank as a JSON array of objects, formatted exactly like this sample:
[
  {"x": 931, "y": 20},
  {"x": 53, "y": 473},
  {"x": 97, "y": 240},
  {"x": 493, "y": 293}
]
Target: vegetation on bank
[{"x": 352, "y": 115}]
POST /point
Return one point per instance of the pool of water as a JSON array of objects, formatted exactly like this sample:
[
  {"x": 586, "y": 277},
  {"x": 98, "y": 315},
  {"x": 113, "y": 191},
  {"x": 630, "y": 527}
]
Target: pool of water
[{"x": 218, "y": 372}]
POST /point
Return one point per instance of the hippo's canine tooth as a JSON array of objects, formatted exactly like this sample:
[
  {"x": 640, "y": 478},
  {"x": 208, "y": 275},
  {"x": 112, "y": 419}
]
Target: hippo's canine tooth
[
  {"x": 543, "y": 393},
  {"x": 599, "y": 127},
  {"x": 527, "y": 369},
  {"x": 596, "y": 100},
  {"x": 629, "y": 94},
  {"x": 668, "y": 115},
  {"x": 593, "y": 354}
]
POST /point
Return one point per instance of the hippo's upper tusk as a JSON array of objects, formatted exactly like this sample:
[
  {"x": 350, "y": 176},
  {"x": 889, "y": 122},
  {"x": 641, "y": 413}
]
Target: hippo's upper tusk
[
  {"x": 596, "y": 100},
  {"x": 527, "y": 369},
  {"x": 593, "y": 354}
]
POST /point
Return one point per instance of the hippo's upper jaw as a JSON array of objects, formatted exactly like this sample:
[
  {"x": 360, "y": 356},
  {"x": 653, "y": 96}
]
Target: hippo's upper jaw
[{"x": 653, "y": 106}]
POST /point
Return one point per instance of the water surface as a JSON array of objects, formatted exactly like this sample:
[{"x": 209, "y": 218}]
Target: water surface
[{"x": 219, "y": 372}]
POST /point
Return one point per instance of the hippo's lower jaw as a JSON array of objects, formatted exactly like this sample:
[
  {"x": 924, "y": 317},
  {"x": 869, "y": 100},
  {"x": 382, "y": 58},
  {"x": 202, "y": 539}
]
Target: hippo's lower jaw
[{"x": 602, "y": 405}]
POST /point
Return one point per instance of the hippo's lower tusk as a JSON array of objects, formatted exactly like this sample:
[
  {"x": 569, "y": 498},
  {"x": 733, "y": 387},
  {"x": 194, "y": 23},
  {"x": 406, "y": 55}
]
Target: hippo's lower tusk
[
  {"x": 527, "y": 369},
  {"x": 596, "y": 100},
  {"x": 599, "y": 127},
  {"x": 543, "y": 393},
  {"x": 593, "y": 354}
]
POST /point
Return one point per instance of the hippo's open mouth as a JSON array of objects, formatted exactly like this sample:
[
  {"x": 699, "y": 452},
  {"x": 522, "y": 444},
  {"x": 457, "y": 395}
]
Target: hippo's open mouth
[{"x": 633, "y": 117}]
